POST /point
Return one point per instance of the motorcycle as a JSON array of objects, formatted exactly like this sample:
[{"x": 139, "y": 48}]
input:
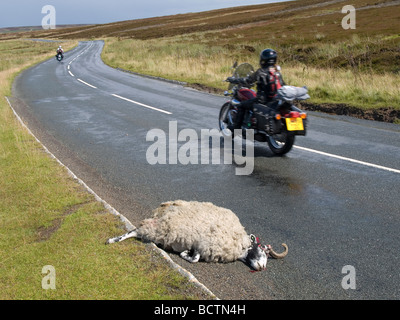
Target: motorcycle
[
  {"x": 59, "y": 56},
  {"x": 277, "y": 124}
]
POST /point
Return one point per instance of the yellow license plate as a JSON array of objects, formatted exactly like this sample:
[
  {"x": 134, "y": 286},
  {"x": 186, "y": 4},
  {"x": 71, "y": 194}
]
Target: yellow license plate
[{"x": 294, "y": 124}]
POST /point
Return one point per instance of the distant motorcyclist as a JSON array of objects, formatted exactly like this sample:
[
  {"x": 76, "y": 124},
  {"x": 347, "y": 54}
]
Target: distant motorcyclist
[
  {"x": 268, "y": 80},
  {"x": 60, "y": 51}
]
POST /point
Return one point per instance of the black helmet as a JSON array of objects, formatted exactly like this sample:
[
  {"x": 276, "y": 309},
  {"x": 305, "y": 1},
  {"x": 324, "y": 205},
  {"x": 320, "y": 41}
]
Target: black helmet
[{"x": 268, "y": 58}]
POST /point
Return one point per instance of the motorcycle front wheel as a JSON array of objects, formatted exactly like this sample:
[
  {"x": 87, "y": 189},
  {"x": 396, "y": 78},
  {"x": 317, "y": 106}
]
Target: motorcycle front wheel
[
  {"x": 227, "y": 117},
  {"x": 281, "y": 143}
]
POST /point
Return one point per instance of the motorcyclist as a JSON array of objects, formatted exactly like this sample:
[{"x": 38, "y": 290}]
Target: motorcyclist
[
  {"x": 268, "y": 80},
  {"x": 60, "y": 50}
]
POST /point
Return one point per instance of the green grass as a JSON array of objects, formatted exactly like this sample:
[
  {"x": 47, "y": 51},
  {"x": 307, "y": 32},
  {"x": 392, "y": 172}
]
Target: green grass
[
  {"x": 333, "y": 72},
  {"x": 47, "y": 218}
]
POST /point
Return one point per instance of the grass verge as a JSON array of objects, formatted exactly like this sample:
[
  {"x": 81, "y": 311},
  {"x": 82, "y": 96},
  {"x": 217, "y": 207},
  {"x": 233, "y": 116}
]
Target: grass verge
[
  {"x": 197, "y": 59},
  {"x": 47, "y": 218}
]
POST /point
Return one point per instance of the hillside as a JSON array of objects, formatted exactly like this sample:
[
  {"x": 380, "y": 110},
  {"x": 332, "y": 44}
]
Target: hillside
[
  {"x": 33, "y": 28},
  {"x": 288, "y": 20}
]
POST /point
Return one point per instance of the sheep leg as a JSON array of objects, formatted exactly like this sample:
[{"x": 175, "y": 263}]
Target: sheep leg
[
  {"x": 130, "y": 234},
  {"x": 191, "y": 258}
]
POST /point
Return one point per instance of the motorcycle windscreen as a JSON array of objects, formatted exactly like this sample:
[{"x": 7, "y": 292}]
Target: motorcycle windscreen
[{"x": 242, "y": 71}]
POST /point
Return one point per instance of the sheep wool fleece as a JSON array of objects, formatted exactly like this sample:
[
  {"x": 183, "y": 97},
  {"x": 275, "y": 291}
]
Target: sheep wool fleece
[{"x": 215, "y": 232}]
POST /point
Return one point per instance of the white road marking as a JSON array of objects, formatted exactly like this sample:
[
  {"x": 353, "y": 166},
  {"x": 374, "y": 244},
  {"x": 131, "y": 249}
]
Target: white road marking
[
  {"x": 115, "y": 95},
  {"x": 141, "y": 104},
  {"x": 88, "y": 84},
  {"x": 71, "y": 74},
  {"x": 69, "y": 64},
  {"x": 113, "y": 211},
  {"x": 349, "y": 159}
]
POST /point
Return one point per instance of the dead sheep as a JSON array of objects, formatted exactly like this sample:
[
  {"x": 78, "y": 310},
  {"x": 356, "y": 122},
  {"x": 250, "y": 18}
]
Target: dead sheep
[{"x": 201, "y": 230}]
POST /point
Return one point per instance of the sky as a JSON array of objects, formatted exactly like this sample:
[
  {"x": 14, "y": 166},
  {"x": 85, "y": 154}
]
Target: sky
[{"x": 17, "y": 13}]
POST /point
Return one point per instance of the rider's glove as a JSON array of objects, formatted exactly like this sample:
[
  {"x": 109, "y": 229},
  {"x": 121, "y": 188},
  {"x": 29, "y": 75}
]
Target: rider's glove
[{"x": 232, "y": 80}]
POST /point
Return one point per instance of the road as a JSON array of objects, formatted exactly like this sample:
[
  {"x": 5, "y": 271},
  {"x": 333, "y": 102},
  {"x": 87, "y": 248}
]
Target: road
[{"x": 331, "y": 211}]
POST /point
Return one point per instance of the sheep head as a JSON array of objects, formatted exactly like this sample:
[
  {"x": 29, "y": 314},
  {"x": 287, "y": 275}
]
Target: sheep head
[{"x": 256, "y": 255}]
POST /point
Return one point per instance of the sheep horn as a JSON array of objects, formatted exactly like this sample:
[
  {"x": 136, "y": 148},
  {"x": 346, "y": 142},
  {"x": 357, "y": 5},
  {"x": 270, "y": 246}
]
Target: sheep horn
[{"x": 279, "y": 255}]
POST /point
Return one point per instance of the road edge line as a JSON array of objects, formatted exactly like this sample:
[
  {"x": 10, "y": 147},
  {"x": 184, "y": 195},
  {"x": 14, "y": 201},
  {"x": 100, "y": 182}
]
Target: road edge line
[{"x": 129, "y": 226}]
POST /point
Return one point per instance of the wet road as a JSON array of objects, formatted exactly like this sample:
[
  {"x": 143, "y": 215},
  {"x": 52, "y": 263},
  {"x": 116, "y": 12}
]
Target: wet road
[{"x": 331, "y": 211}]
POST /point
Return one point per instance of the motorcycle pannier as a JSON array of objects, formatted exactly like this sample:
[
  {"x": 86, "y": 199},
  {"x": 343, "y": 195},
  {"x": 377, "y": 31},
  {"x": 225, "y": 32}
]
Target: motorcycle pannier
[{"x": 266, "y": 119}]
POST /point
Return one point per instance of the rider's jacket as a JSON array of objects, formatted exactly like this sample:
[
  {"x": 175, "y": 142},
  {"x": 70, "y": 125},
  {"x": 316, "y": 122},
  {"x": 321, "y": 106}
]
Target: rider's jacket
[{"x": 268, "y": 81}]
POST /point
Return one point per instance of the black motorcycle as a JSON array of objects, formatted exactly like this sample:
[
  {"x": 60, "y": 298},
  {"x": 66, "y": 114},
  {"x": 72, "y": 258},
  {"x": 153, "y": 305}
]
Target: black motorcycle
[
  {"x": 59, "y": 56},
  {"x": 277, "y": 124}
]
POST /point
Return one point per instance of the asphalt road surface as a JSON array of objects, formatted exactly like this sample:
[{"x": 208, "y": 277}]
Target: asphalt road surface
[{"x": 334, "y": 199}]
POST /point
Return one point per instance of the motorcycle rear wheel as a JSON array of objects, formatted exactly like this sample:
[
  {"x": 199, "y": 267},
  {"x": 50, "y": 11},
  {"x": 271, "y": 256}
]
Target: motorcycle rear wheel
[{"x": 281, "y": 143}]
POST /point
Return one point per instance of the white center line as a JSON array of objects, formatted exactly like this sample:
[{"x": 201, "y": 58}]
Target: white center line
[
  {"x": 115, "y": 95},
  {"x": 349, "y": 159},
  {"x": 141, "y": 104},
  {"x": 87, "y": 84}
]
